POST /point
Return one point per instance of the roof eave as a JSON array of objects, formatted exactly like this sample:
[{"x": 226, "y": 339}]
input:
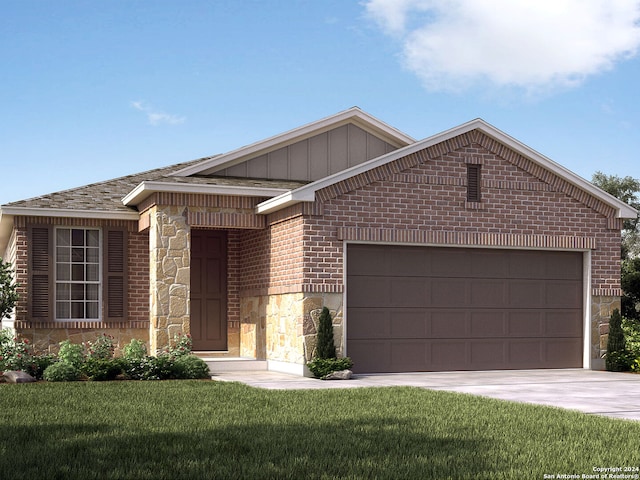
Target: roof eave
[{"x": 147, "y": 188}]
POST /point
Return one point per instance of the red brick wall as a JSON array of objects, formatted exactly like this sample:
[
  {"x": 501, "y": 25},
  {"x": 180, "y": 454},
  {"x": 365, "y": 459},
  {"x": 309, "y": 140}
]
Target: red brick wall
[
  {"x": 431, "y": 196},
  {"x": 138, "y": 244}
]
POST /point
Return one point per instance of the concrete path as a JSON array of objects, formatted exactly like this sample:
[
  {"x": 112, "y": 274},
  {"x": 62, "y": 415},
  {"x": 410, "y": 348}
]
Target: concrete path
[{"x": 594, "y": 392}]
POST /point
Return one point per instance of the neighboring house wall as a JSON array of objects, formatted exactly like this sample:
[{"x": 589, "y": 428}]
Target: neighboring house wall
[
  {"x": 46, "y": 335},
  {"x": 313, "y": 158}
]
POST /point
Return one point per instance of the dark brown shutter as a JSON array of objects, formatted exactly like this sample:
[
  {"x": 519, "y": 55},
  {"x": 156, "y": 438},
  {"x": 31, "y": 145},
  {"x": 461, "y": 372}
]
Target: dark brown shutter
[
  {"x": 40, "y": 296},
  {"x": 115, "y": 275},
  {"x": 473, "y": 183}
]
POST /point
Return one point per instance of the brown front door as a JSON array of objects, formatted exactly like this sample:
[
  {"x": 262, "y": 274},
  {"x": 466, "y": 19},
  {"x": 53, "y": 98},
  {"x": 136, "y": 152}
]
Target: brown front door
[{"x": 209, "y": 289}]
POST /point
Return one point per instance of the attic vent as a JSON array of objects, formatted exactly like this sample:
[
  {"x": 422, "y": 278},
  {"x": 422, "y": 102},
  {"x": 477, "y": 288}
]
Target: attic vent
[{"x": 473, "y": 183}]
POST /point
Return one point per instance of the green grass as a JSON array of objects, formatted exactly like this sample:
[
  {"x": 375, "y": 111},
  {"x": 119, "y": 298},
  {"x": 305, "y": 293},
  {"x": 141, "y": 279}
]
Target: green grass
[{"x": 204, "y": 429}]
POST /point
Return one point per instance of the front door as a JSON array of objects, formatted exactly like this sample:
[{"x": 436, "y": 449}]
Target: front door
[{"x": 209, "y": 290}]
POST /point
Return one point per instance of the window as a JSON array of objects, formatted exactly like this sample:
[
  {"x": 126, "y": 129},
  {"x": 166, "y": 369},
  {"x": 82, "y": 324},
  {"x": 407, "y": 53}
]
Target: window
[
  {"x": 77, "y": 274},
  {"x": 473, "y": 183}
]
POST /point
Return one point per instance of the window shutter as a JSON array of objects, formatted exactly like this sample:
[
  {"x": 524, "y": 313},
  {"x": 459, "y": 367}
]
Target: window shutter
[
  {"x": 473, "y": 183},
  {"x": 115, "y": 275},
  {"x": 40, "y": 297}
]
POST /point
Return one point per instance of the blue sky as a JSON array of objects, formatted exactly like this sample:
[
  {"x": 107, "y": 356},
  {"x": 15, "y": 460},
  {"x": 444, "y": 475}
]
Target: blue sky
[{"x": 93, "y": 90}]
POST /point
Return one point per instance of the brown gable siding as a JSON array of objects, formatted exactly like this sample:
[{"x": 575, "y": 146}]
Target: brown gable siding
[{"x": 313, "y": 158}]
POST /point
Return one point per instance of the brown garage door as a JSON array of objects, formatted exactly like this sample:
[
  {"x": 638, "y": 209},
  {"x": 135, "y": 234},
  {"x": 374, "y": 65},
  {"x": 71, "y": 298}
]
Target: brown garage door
[{"x": 431, "y": 309}]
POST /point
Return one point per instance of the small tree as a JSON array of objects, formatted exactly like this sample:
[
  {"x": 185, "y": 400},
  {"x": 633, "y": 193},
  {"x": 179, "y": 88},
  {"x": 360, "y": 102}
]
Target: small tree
[
  {"x": 325, "y": 347},
  {"x": 617, "y": 359},
  {"x": 8, "y": 290}
]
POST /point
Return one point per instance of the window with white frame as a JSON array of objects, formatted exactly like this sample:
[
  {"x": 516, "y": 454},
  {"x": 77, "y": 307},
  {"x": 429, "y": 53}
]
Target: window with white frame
[{"x": 77, "y": 271}]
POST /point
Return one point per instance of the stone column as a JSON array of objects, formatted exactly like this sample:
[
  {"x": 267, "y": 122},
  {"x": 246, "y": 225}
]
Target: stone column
[{"x": 169, "y": 275}]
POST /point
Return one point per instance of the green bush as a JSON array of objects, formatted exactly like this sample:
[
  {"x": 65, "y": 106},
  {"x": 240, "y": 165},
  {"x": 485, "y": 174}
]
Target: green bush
[
  {"x": 102, "y": 369},
  {"x": 15, "y": 354},
  {"x": 134, "y": 350},
  {"x": 325, "y": 347},
  {"x": 103, "y": 348},
  {"x": 62, "y": 372},
  {"x": 321, "y": 367},
  {"x": 182, "y": 345},
  {"x": 39, "y": 364},
  {"x": 71, "y": 353},
  {"x": 618, "y": 358},
  {"x": 191, "y": 367}
]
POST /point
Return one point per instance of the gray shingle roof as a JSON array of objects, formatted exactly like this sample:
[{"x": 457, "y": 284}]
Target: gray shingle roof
[{"x": 107, "y": 196}]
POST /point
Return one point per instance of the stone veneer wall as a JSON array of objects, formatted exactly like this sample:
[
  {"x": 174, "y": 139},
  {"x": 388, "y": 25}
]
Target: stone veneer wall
[
  {"x": 169, "y": 275},
  {"x": 47, "y": 340},
  {"x": 601, "y": 309},
  {"x": 283, "y": 328}
]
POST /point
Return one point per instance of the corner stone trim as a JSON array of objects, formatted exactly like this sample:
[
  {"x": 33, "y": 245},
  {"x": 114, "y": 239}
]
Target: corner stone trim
[{"x": 429, "y": 237}]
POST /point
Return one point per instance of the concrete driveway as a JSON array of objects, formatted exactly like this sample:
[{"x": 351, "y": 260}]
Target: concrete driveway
[{"x": 593, "y": 392}]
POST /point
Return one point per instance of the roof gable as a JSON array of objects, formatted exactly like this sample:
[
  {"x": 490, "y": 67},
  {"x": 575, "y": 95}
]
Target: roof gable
[
  {"x": 374, "y": 128},
  {"x": 442, "y": 143}
]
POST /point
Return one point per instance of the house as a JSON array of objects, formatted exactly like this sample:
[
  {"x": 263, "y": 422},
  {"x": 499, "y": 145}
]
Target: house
[{"x": 463, "y": 251}]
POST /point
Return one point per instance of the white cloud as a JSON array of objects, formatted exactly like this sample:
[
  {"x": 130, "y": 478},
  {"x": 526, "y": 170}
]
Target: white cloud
[
  {"x": 531, "y": 44},
  {"x": 156, "y": 117}
]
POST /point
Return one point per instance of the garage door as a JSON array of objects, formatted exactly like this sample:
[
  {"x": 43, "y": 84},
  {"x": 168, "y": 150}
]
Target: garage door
[{"x": 433, "y": 309}]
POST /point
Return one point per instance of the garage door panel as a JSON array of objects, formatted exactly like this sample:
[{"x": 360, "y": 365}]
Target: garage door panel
[
  {"x": 407, "y": 355},
  {"x": 359, "y": 259},
  {"x": 469, "y": 309},
  {"x": 488, "y": 264},
  {"x": 563, "y": 352},
  {"x": 369, "y": 323},
  {"x": 410, "y": 323},
  {"x": 409, "y": 262},
  {"x": 526, "y": 294},
  {"x": 527, "y": 323},
  {"x": 448, "y": 263},
  {"x": 563, "y": 323},
  {"x": 488, "y": 293},
  {"x": 362, "y": 291},
  {"x": 448, "y": 355},
  {"x": 449, "y": 324},
  {"x": 490, "y": 323},
  {"x": 488, "y": 354},
  {"x": 447, "y": 291},
  {"x": 562, "y": 294},
  {"x": 410, "y": 292}
]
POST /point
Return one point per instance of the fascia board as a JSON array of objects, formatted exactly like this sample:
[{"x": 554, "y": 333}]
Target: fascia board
[
  {"x": 307, "y": 192},
  {"x": 355, "y": 115},
  {"x": 6, "y": 227},
  {"x": 144, "y": 189},
  {"x": 623, "y": 210},
  {"x": 69, "y": 213}
]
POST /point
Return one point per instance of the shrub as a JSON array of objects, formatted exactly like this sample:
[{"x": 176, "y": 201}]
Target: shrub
[
  {"x": 191, "y": 367},
  {"x": 321, "y": 367},
  {"x": 102, "y": 369},
  {"x": 134, "y": 350},
  {"x": 71, "y": 353},
  {"x": 39, "y": 364},
  {"x": 62, "y": 372},
  {"x": 15, "y": 354},
  {"x": 325, "y": 347},
  {"x": 617, "y": 359},
  {"x": 103, "y": 348},
  {"x": 8, "y": 290},
  {"x": 182, "y": 345}
]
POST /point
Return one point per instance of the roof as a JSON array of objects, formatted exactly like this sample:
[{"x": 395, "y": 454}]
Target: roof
[{"x": 117, "y": 198}]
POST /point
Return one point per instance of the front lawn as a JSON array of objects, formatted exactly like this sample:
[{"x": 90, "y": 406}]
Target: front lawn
[{"x": 204, "y": 429}]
